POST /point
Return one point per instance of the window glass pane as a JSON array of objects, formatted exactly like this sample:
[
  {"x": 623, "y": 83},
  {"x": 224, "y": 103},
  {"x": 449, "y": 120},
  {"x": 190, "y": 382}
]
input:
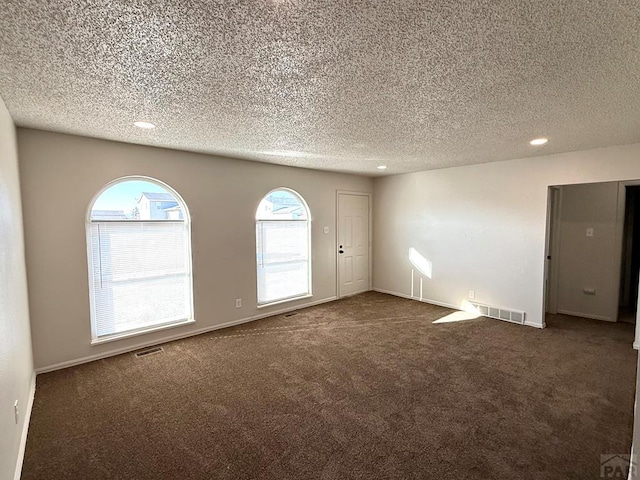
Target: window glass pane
[
  {"x": 136, "y": 200},
  {"x": 140, "y": 267},
  {"x": 282, "y": 247},
  {"x": 281, "y": 205}
]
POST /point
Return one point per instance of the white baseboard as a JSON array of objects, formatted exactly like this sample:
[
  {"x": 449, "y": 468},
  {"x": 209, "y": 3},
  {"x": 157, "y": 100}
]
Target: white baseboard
[
  {"x": 25, "y": 428},
  {"x": 534, "y": 325},
  {"x": 443, "y": 304},
  {"x": 395, "y": 294},
  {"x": 423, "y": 300},
  {"x": 585, "y": 315},
  {"x": 179, "y": 336}
]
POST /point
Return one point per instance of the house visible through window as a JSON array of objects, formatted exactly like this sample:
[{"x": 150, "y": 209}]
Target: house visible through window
[
  {"x": 139, "y": 253},
  {"x": 283, "y": 247}
]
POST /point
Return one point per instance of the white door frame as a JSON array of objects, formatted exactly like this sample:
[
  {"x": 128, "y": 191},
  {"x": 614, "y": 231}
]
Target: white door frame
[
  {"x": 617, "y": 253},
  {"x": 337, "y": 238},
  {"x": 552, "y": 248}
]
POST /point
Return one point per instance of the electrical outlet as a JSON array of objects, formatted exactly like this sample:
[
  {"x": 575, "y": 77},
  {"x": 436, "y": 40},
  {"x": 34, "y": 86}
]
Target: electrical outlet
[
  {"x": 472, "y": 294},
  {"x": 326, "y": 230},
  {"x": 16, "y": 411},
  {"x": 589, "y": 232},
  {"x": 238, "y": 302}
]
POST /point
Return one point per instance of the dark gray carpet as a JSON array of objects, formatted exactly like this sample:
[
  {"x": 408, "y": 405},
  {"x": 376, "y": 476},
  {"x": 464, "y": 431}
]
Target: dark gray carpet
[{"x": 363, "y": 388}]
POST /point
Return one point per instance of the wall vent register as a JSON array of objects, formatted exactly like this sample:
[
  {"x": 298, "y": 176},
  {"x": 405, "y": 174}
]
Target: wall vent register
[{"x": 498, "y": 313}]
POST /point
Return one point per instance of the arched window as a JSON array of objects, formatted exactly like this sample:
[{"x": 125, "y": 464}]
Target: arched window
[
  {"x": 139, "y": 252},
  {"x": 283, "y": 247}
]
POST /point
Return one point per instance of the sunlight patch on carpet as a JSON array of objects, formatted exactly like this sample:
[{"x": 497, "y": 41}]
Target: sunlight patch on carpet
[{"x": 467, "y": 312}]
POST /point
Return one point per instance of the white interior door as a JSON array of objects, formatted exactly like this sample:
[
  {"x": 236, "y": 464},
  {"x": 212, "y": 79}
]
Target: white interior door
[{"x": 353, "y": 244}]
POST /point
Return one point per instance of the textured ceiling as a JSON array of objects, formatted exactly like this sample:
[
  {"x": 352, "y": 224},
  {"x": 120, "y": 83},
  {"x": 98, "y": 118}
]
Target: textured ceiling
[{"x": 329, "y": 84}]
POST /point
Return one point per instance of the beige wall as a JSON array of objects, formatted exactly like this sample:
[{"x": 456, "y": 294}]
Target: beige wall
[
  {"x": 589, "y": 262},
  {"x": 61, "y": 173},
  {"x": 16, "y": 363},
  {"x": 482, "y": 227}
]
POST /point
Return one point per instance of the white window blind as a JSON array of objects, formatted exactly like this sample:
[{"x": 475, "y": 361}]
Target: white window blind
[
  {"x": 283, "y": 260},
  {"x": 140, "y": 274}
]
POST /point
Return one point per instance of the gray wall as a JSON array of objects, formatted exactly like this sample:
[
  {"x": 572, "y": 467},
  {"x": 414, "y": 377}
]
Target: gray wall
[
  {"x": 60, "y": 175},
  {"x": 16, "y": 364},
  {"x": 482, "y": 227},
  {"x": 589, "y": 262}
]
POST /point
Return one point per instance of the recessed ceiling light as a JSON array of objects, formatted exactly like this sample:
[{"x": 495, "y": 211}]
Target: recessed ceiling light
[
  {"x": 147, "y": 125},
  {"x": 536, "y": 142},
  {"x": 382, "y": 167}
]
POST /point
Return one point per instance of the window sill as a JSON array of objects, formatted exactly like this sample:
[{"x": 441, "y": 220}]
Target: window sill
[
  {"x": 284, "y": 300},
  {"x": 123, "y": 335}
]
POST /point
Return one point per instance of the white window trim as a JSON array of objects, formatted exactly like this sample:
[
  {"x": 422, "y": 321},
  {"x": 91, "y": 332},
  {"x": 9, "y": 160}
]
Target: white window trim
[
  {"x": 97, "y": 340},
  {"x": 135, "y": 333},
  {"x": 284, "y": 300}
]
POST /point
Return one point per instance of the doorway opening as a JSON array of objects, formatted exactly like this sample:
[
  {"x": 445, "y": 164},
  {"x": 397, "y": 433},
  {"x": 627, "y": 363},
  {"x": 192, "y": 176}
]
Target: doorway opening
[
  {"x": 630, "y": 265},
  {"x": 592, "y": 264}
]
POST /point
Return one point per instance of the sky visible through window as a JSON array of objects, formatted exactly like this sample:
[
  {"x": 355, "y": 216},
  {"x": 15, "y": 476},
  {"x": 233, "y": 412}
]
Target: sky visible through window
[
  {"x": 284, "y": 194},
  {"x": 124, "y": 195}
]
